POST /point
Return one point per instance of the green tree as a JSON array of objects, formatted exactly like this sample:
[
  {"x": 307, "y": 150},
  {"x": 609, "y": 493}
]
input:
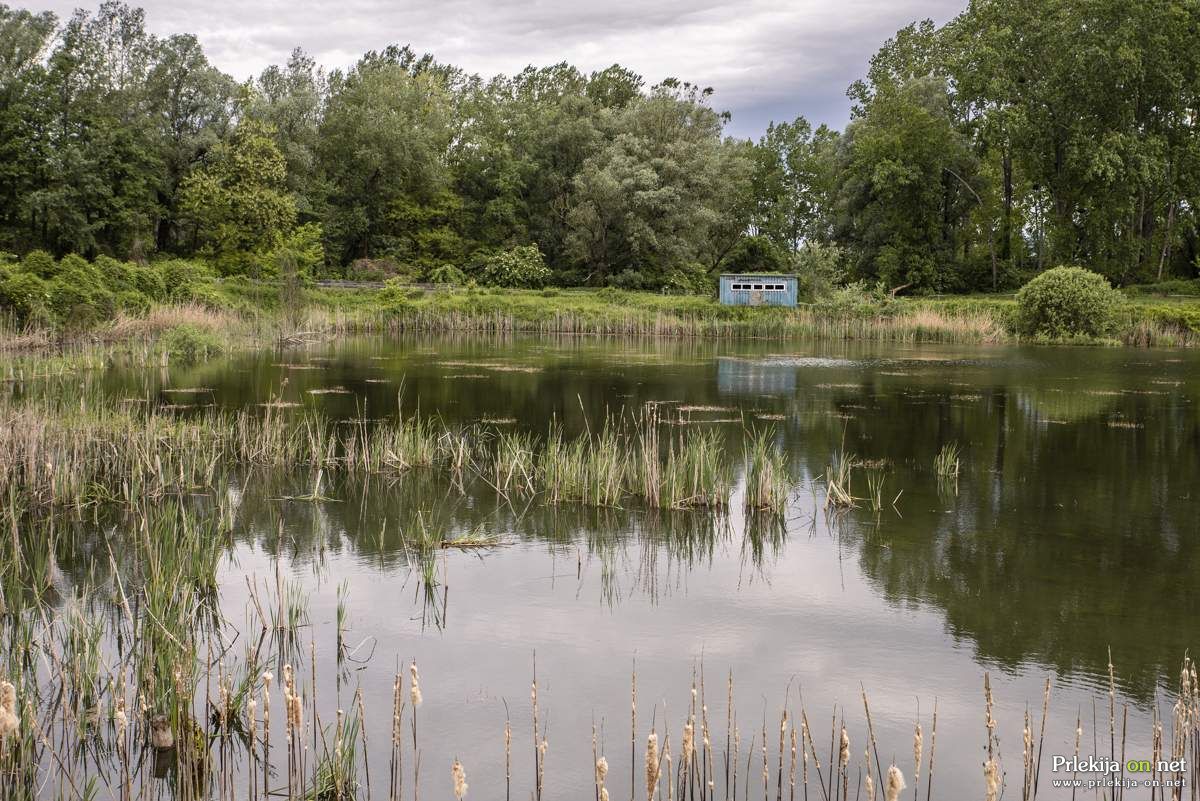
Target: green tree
[
  {"x": 237, "y": 200},
  {"x": 905, "y": 192}
]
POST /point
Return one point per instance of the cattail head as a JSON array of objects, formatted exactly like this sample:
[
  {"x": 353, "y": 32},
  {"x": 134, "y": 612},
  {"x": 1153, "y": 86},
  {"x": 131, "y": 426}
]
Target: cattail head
[
  {"x": 295, "y": 712},
  {"x": 460, "y": 780},
  {"x": 918, "y": 746},
  {"x": 689, "y": 737},
  {"x": 414, "y": 690},
  {"x": 10, "y": 723},
  {"x": 991, "y": 778},
  {"x": 651, "y": 766},
  {"x": 601, "y": 770},
  {"x": 8, "y": 697},
  {"x": 895, "y": 783},
  {"x": 844, "y": 751},
  {"x": 870, "y": 784}
]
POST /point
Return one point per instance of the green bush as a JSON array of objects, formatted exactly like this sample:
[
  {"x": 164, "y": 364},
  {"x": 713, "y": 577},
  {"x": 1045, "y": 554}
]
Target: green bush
[
  {"x": 26, "y": 296},
  {"x": 131, "y": 301},
  {"x": 79, "y": 295},
  {"x": 1068, "y": 302},
  {"x": 856, "y": 300},
  {"x": 40, "y": 263},
  {"x": 149, "y": 281},
  {"x": 447, "y": 274},
  {"x": 397, "y": 294},
  {"x": 184, "y": 280},
  {"x": 689, "y": 279},
  {"x": 520, "y": 267},
  {"x": 189, "y": 344},
  {"x": 628, "y": 279},
  {"x": 116, "y": 275}
]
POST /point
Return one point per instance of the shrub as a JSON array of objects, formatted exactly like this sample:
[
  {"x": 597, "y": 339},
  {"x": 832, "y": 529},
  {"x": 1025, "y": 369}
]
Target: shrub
[
  {"x": 79, "y": 295},
  {"x": 856, "y": 300},
  {"x": 25, "y": 295},
  {"x": 184, "y": 279},
  {"x": 116, "y": 275},
  {"x": 148, "y": 281},
  {"x": 376, "y": 270},
  {"x": 189, "y": 344},
  {"x": 39, "y": 263},
  {"x": 1068, "y": 302},
  {"x": 819, "y": 268},
  {"x": 628, "y": 279},
  {"x": 397, "y": 295},
  {"x": 447, "y": 274},
  {"x": 521, "y": 267},
  {"x": 133, "y": 302},
  {"x": 690, "y": 278}
]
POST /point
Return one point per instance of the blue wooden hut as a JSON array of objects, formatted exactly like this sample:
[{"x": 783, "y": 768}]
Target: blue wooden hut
[{"x": 748, "y": 289}]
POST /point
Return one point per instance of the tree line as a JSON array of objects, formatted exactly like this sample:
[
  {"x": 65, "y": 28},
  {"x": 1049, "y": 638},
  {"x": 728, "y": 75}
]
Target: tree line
[{"x": 1021, "y": 135}]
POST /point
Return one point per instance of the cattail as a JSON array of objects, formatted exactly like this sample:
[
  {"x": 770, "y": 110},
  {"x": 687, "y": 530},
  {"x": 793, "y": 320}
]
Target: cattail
[
  {"x": 918, "y": 746},
  {"x": 895, "y": 783},
  {"x": 414, "y": 691},
  {"x": 296, "y": 712},
  {"x": 870, "y": 784},
  {"x": 460, "y": 780},
  {"x": 689, "y": 736},
  {"x": 844, "y": 750},
  {"x": 991, "y": 777},
  {"x": 651, "y": 766},
  {"x": 10, "y": 723},
  {"x": 601, "y": 770}
]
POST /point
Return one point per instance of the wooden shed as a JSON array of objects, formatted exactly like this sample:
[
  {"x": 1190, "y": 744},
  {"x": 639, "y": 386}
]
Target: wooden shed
[{"x": 745, "y": 289}]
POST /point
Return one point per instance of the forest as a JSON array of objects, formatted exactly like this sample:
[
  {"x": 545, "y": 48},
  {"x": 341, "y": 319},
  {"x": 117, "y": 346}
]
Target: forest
[{"x": 1019, "y": 136}]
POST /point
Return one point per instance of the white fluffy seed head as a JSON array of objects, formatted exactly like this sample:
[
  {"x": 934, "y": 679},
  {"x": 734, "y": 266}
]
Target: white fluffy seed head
[
  {"x": 414, "y": 690},
  {"x": 895, "y": 783}
]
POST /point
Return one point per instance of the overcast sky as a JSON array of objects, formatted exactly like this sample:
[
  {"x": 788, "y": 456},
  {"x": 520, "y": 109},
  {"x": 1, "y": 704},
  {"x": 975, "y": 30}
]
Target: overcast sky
[{"x": 766, "y": 59}]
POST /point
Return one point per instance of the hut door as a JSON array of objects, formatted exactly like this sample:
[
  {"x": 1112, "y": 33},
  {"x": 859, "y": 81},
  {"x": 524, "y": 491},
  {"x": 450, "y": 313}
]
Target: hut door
[{"x": 756, "y": 297}]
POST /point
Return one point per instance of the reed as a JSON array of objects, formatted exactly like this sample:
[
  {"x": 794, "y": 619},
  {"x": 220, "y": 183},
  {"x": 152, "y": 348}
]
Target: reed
[
  {"x": 768, "y": 484},
  {"x": 946, "y": 463}
]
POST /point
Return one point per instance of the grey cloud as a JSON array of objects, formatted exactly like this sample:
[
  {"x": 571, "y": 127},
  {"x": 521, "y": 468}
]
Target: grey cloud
[{"x": 766, "y": 59}]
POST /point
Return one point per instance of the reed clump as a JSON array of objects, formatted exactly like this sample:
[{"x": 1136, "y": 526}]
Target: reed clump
[{"x": 102, "y": 453}]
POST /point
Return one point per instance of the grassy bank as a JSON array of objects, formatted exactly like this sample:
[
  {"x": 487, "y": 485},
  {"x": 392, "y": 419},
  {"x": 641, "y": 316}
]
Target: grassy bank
[{"x": 240, "y": 314}]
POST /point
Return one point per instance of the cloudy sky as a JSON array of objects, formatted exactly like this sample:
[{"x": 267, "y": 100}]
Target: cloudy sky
[{"x": 767, "y": 59}]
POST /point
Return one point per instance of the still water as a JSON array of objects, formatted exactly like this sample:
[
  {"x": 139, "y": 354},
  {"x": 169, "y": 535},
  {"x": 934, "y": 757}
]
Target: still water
[{"x": 1070, "y": 531}]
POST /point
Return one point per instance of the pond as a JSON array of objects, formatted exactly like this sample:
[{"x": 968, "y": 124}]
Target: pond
[{"x": 1070, "y": 530}]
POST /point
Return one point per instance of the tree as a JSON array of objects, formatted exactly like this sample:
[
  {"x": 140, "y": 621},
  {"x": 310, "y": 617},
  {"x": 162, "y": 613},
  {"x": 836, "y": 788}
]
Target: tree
[
  {"x": 791, "y": 183},
  {"x": 237, "y": 200},
  {"x": 383, "y": 145},
  {"x": 904, "y": 194}
]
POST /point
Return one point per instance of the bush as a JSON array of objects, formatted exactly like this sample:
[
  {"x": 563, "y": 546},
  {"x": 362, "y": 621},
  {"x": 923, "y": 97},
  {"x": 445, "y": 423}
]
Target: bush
[
  {"x": 184, "y": 280},
  {"x": 520, "y": 267},
  {"x": 79, "y": 295},
  {"x": 856, "y": 300},
  {"x": 397, "y": 295},
  {"x": 133, "y": 302},
  {"x": 690, "y": 278},
  {"x": 447, "y": 274},
  {"x": 39, "y": 263},
  {"x": 116, "y": 275},
  {"x": 189, "y": 344},
  {"x": 1068, "y": 302},
  {"x": 25, "y": 295},
  {"x": 148, "y": 281},
  {"x": 628, "y": 279}
]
